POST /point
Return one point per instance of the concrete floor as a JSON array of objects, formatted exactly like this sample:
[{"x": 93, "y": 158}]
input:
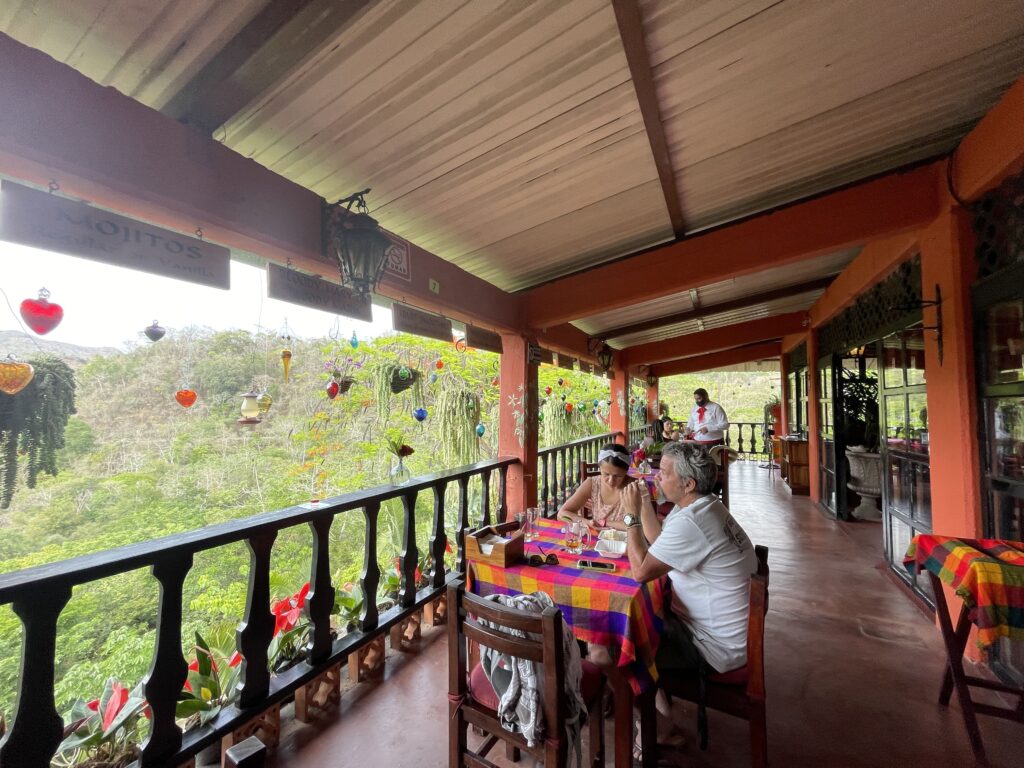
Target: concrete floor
[{"x": 853, "y": 668}]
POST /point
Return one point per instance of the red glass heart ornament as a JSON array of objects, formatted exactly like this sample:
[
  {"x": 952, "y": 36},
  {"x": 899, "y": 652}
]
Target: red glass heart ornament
[
  {"x": 547, "y": 390},
  {"x": 40, "y": 315},
  {"x": 439, "y": 364},
  {"x": 495, "y": 381},
  {"x": 14, "y": 377},
  {"x": 186, "y": 397},
  {"x": 332, "y": 390}
]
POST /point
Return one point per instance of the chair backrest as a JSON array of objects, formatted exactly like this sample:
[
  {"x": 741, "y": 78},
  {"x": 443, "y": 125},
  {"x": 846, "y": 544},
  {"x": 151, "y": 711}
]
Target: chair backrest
[
  {"x": 543, "y": 644},
  {"x": 755, "y": 624},
  {"x": 587, "y": 469}
]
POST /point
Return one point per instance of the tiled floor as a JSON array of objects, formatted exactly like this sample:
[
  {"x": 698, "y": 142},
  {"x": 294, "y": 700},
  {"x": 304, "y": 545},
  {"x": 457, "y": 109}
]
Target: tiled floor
[{"x": 853, "y": 667}]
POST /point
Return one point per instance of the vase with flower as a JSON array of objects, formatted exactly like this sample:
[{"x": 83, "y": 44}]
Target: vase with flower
[{"x": 400, "y": 450}]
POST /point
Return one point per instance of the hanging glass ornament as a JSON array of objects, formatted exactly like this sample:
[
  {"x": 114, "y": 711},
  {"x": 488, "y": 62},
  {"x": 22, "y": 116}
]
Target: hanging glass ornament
[
  {"x": 40, "y": 315},
  {"x": 632, "y": 401},
  {"x": 563, "y": 398},
  {"x": 186, "y": 397},
  {"x": 404, "y": 373},
  {"x": 264, "y": 401},
  {"x": 439, "y": 364},
  {"x": 593, "y": 411},
  {"x": 495, "y": 381},
  {"x": 154, "y": 332},
  {"x": 540, "y": 417},
  {"x": 568, "y": 407},
  {"x": 354, "y": 341},
  {"x": 420, "y": 414},
  {"x": 286, "y": 361},
  {"x": 547, "y": 390},
  {"x": 597, "y": 403},
  {"x": 561, "y": 382},
  {"x": 332, "y": 390},
  {"x": 581, "y": 406},
  {"x": 250, "y": 409},
  {"x": 15, "y": 376},
  {"x": 480, "y": 429},
  {"x": 433, "y": 378},
  {"x": 460, "y": 345}
]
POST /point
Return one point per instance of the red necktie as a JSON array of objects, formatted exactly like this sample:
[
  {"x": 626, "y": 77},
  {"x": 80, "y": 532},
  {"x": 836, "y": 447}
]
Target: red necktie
[{"x": 700, "y": 414}]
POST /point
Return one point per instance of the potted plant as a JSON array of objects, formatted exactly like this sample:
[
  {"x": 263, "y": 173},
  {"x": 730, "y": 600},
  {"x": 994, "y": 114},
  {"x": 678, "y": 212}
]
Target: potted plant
[
  {"x": 860, "y": 434},
  {"x": 105, "y": 732}
]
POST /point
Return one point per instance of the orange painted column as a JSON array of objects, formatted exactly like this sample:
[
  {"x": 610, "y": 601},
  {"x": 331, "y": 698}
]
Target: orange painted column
[
  {"x": 652, "y": 402},
  {"x": 947, "y": 261},
  {"x": 783, "y": 425},
  {"x": 517, "y": 425},
  {"x": 618, "y": 414},
  {"x": 813, "y": 416}
]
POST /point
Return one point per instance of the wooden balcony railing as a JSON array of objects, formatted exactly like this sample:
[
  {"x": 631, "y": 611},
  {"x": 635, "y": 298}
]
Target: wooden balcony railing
[
  {"x": 38, "y": 595},
  {"x": 558, "y": 468},
  {"x": 747, "y": 437},
  {"x": 636, "y": 434}
]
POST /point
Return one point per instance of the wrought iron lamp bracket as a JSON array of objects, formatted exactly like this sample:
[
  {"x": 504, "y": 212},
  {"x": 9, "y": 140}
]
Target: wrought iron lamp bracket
[{"x": 937, "y": 328}]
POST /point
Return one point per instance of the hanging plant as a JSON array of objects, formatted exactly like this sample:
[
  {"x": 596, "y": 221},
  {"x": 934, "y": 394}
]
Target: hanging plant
[
  {"x": 391, "y": 378},
  {"x": 32, "y": 424},
  {"x": 457, "y": 413}
]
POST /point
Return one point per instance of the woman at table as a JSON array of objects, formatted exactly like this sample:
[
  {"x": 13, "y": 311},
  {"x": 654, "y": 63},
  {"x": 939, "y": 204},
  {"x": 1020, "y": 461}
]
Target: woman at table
[{"x": 604, "y": 492}]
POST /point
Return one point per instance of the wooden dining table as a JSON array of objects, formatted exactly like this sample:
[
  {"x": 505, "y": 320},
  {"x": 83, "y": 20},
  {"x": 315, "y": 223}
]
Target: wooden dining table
[{"x": 610, "y": 609}]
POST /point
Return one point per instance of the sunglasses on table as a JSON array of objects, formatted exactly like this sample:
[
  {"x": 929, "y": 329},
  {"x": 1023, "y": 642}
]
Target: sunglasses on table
[{"x": 542, "y": 560}]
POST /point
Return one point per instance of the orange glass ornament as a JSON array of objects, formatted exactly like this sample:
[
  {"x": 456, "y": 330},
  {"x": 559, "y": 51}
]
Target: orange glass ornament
[
  {"x": 286, "y": 361},
  {"x": 186, "y": 397},
  {"x": 14, "y": 377}
]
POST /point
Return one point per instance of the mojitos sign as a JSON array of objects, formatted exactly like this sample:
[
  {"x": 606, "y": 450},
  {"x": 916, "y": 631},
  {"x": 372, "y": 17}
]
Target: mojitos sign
[{"x": 41, "y": 220}]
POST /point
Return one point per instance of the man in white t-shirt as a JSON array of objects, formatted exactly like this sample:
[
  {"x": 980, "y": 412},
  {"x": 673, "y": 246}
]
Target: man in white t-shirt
[{"x": 706, "y": 555}]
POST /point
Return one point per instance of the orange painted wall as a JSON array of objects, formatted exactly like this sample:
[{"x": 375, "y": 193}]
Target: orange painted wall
[
  {"x": 618, "y": 414},
  {"x": 947, "y": 260},
  {"x": 517, "y": 427}
]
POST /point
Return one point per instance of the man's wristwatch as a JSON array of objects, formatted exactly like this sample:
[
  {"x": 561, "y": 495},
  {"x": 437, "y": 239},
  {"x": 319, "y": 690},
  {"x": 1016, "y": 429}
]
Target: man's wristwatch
[{"x": 631, "y": 521}]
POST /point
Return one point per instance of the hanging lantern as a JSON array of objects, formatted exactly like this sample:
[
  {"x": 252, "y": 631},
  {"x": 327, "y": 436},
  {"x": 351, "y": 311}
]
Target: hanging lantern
[
  {"x": 154, "y": 332},
  {"x": 15, "y": 376},
  {"x": 354, "y": 341},
  {"x": 186, "y": 397},
  {"x": 605, "y": 357},
  {"x": 250, "y": 409},
  {"x": 480, "y": 429},
  {"x": 356, "y": 242},
  {"x": 264, "y": 401},
  {"x": 332, "y": 390},
  {"x": 286, "y": 361},
  {"x": 420, "y": 414},
  {"x": 439, "y": 364},
  {"x": 40, "y": 315},
  {"x": 547, "y": 390}
]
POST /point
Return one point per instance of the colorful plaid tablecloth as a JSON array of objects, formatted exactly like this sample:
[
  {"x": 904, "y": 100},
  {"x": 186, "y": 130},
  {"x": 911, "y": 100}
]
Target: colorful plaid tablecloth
[
  {"x": 988, "y": 574},
  {"x": 609, "y": 609}
]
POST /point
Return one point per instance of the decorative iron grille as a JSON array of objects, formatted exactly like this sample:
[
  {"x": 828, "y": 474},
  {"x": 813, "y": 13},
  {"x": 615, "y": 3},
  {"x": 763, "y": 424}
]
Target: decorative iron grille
[
  {"x": 999, "y": 227},
  {"x": 893, "y": 304},
  {"x": 797, "y": 357}
]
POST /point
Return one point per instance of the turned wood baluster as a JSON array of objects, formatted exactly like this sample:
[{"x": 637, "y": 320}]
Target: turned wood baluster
[
  {"x": 438, "y": 538},
  {"x": 320, "y": 599},
  {"x": 460, "y": 532},
  {"x": 544, "y": 482},
  {"x": 257, "y": 629},
  {"x": 36, "y": 729},
  {"x": 485, "y": 497},
  {"x": 167, "y": 672},
  {"x": 410, "y": 554},
  {"x": 739, "y": 445},
  {"x": 502, "y": 488},
  {"x": 370, "y": 577},
  {"x": 563, "y": 486}
]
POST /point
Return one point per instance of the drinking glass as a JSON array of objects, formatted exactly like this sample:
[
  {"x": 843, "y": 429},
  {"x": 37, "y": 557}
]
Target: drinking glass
[
  {"x": 530, "y": 524},
  {"x": 577, "y": 536}
]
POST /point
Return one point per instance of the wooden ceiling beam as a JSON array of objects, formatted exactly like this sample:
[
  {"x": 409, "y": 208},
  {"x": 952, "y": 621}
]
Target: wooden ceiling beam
[
  {"x": 994, "y": 149},
  {"x": 265, "y": 50},
  {"x": 745, "y": 354},
  {"x": 714, "y": 340},
  {"x": 708, "y": 310},
  {"x": 894, "y": 203},
  {"x": 631, "y": 32}
]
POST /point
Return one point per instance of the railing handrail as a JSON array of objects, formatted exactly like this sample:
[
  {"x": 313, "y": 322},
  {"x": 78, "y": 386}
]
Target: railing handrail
[
  {"x": 130, "y": 557},
  {"x": 580, "y": 441}
]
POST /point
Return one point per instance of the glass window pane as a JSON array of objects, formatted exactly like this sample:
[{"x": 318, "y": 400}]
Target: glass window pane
[
  {"x": 917, "y": 422},
  {"x": 826, "y": 419},
  {"x": 921, "y": 490},
  {"x": 896, "y": 422},
  {"x": 913, "y": 340},
  {"x": 1004, "y": 339},
  {"x": 899, "y": 491},
  {"x": 901, "y": 535},
  {"x": 892, "y": 362},
  {"x": 1005, "y": 429}
]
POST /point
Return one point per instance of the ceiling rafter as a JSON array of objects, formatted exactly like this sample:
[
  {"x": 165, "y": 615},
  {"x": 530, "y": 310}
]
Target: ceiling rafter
[
  {"x": 266, "y": 49},
  {"x": 747, "y": 353},
  {"x": 708, "y": 310},
  {"x": 631, "y": 32}
]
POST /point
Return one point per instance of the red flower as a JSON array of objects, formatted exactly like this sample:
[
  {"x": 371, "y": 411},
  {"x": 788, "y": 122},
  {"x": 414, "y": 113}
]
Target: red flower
[
  {"x": 448, "y": 546},
  {"x": 118, "y": 698},
  {"x": 405, "y": 450},
  {"x": 287, "y": 612}
]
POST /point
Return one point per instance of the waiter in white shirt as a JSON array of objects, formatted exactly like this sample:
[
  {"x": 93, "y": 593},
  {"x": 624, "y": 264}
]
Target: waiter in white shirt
[{"x": 708, "y": 422}]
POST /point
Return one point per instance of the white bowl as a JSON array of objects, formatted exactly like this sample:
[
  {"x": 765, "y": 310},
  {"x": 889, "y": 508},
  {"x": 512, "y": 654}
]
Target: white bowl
[
  {"x": 611, "y": 547},
  {"x": 612, "y": 534}
]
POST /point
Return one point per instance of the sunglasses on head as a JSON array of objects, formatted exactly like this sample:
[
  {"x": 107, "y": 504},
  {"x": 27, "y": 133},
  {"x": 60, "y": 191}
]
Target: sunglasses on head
[{"x": 539, "y": 560}]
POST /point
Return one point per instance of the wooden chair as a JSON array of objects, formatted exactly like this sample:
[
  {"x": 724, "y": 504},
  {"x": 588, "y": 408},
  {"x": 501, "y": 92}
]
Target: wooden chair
[
  {"x": 472, "y": 700},
  {"x": 587, "y": 469},
  {"x": 740, "y": 692}
]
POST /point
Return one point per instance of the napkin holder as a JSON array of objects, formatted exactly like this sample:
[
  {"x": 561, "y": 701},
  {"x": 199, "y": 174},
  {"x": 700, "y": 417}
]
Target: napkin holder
[{"x": 501, "y": 545}]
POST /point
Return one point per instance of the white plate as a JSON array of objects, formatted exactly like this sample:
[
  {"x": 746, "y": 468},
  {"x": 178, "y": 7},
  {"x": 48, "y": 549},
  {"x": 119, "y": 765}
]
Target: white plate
[{"x": 610, "y": 548}]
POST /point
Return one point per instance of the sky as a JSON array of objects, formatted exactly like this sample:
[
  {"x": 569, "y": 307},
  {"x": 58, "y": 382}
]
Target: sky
[{"x": 108, "y": 306}]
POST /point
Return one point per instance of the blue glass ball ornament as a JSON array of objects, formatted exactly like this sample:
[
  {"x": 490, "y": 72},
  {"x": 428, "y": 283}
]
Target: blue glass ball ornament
[
  {"x": 354, "y": 341},
  {"x": 480, "y": 429},
  {"x": 433, "y": 378},
  {"x": 419, "y": 414},
  {"x": 597, "y": 403}
]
